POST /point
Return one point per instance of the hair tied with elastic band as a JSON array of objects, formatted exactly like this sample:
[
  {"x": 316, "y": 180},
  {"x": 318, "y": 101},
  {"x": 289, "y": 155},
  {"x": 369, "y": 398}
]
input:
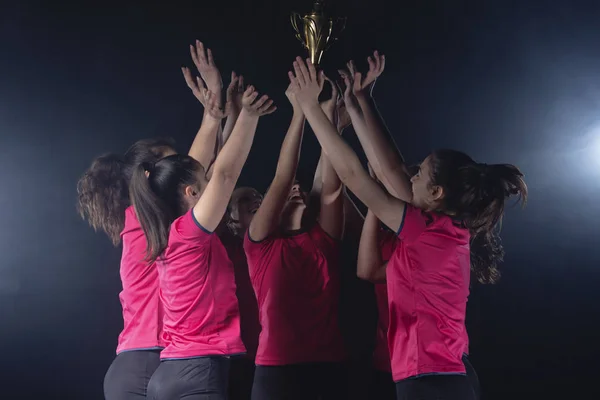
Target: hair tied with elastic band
[{"x": 149, "y": 168}]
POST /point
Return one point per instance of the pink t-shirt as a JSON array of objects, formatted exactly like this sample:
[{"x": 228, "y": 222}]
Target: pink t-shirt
[
  {"x": 428, "y": 286},
  {"x": 142, "y": 311},
  {"x": 381, "y": 353},
  {"x": 250, "y": 324},
  {"x": 297, "y": 283},
  {"x": 197, "y": 288}
]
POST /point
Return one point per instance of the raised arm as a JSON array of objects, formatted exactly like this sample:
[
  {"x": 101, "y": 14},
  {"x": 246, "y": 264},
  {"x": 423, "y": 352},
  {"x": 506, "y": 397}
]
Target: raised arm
[
  {"x": 307, "y": 86},
  {"x": 235, "y": 92},
  {"x": 204, "y": 144},
  {"x": 375, "y": 138},
  {"x": 233, "y": 107},
  {"x": 266, "y": 219},
  {"x": 212, "y": 204},
  {"x": 370, "y": 265},
  {"x": 343, "y": 121},
  {"x": 331, "y": 216}
]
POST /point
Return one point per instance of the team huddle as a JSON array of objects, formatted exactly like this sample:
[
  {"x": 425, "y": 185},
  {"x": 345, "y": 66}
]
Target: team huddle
[{"x": 228, "y": 293}]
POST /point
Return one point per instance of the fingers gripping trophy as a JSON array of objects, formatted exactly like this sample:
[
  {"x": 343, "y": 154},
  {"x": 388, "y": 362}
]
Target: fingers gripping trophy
[{"x": 317, "y": 31}]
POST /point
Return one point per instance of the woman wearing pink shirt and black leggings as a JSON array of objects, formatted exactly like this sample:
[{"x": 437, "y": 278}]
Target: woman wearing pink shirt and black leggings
[
  {"x": 179, "y": 211},
  {"x": 450, "y": 203},
  {"x": 104, "y": 202}
]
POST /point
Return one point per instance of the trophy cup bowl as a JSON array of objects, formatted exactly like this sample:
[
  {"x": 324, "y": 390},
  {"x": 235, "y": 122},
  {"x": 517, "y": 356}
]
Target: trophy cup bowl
[{"x": 317, "y": 31}]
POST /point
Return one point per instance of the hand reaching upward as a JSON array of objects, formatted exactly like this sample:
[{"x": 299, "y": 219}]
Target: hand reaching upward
[
  {"x": 235, "y": 92},
  {"x": 196, "y": 85},
  {"x": 254, "y": 107},
  {"x": 350, "y": 100},
  {"x": 330, "y": 106},
  {"x": 292, "y": 98},
  {"x": 203, "y": 59},
  {"x": 365, "y": 85},
  {"x": 306, "y": 83},
  {"x": 213, "y": 106}
]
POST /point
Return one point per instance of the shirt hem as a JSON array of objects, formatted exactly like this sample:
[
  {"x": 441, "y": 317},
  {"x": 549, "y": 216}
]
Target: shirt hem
[
  {"x": 278, "y": 362},
  {"x": 202, "y": 353},
  {"x": 428, "y": 371},
  {"x": 145, "y": 348}
]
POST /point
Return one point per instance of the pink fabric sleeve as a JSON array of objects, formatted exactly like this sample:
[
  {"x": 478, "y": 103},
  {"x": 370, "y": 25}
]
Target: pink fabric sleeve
[{"x": 187, "y": 228}]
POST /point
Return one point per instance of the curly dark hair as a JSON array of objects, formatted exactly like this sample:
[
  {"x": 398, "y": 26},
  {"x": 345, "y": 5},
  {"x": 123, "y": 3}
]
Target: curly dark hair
[
  {"x": 103, "y": 190},
  {"x": 475, "y": 195}
]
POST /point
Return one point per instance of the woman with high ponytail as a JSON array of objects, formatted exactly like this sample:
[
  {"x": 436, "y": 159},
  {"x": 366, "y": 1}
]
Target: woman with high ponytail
[
  {"x": 103, "y": 194},
  {"x": 446, "y": 219},
  {"x": 179, "y": 210}
]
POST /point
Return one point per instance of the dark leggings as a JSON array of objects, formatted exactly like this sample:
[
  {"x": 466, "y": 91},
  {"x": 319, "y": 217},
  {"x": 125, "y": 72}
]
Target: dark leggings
[
  {"x": 128, "y": 376},
  {"x": 382, "y": 386},
  {"x": 440, "y": 387},
  {"x": 241, "y": 376},
  {"x": 203, "y": 378},
  {"x": 310, "y": 381}
]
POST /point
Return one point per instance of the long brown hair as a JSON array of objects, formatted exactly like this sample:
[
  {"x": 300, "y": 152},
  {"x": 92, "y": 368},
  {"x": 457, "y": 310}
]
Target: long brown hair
[
  {"x": 102, "y": 191},
  {"x": 475, "y": 195},
  {"x": 156, "y": 191}
]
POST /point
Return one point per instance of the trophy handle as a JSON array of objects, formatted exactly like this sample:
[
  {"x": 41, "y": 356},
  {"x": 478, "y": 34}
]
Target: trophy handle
[
  {"x": 336, "y": 27},
  {"x": 294, "y": 17}
]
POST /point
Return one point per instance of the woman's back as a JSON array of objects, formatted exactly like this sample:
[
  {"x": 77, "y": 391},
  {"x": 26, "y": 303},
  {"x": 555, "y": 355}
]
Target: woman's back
[
  {"x": 428, "y": 285},
  {"x": 142, "y": 310},
  {"x": 197, "y": 288}
]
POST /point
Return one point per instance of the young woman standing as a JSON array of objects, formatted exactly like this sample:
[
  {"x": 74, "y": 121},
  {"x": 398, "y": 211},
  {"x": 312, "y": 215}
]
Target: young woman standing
[
  {"x": 243, "y": 205},
  {"x": 104, "y": 201},
  {"x": 294, "y": 271},
  {"x": 179, "y": 210},
  {"x": 450, "y": 202}
]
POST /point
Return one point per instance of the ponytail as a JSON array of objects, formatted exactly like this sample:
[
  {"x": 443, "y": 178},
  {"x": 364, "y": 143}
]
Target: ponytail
[
  {"x": 154, "y": 216},
  {"x": 103, "y": 196},
  {"x": 157, "y": 195},
  {"x": 475, "y": 195}
]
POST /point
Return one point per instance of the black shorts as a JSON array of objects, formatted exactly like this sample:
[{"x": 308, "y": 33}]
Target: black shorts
[
  {"x": 200, "y": 378},
  {"x": 440, "y": 387},
  {"x": 309, "y": 381},
  {"x": 128, "y": 376}
]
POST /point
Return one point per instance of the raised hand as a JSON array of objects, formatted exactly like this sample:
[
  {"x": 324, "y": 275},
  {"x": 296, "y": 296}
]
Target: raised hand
[
  {"x": 196, "y": 85},
  {"x": 235, "y": 92},
  {"x": 350, "y": 100},
  {"x": 203, "y": 59},
  {"x": 254, "y": 107},
  {"x": 289, "y": 92},
  {"x": 213, "y": 105},
  {"x": 306, "y": 83},
  {"x": 330, "y": 106},
  {"x": 365, "y": 85}
]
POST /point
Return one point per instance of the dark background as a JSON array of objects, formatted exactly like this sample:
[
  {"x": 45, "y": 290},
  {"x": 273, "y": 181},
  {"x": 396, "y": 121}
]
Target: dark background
[{"x": 505, "y": 81}]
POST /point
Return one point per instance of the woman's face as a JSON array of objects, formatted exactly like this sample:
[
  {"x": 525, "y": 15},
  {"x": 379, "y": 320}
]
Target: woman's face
[
  {"x": 244, "y": 204},
  {"x": 425, "y": 194}
]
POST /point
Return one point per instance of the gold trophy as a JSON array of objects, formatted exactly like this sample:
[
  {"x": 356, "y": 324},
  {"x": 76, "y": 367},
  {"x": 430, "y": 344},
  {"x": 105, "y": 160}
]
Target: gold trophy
[{"x": 317, "y": 31}]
